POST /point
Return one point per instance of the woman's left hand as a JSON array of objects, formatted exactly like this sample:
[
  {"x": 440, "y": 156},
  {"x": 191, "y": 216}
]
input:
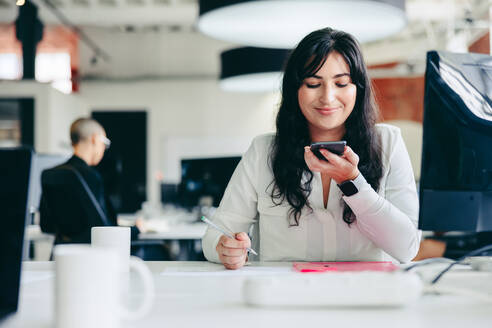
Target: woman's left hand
[{"x": 339, "y": 168}]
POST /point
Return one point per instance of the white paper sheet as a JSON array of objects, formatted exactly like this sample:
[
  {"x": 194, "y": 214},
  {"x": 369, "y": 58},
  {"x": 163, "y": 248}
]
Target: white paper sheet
[{"x": 244, "y": 271}]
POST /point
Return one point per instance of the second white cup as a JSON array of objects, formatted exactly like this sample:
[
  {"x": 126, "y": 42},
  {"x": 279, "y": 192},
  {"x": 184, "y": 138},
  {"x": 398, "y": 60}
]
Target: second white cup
[{"x": 116, "y": 238}]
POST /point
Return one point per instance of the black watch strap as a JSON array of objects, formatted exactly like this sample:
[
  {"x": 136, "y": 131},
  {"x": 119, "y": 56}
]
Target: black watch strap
[{"x": 348, "y": 188}]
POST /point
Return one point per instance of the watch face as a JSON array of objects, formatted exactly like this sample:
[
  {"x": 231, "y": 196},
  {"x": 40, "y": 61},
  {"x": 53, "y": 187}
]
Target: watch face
[{"x": 348, "y": 188}]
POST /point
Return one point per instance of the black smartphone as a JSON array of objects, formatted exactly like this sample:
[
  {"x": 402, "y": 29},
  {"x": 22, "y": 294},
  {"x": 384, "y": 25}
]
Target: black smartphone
[{"x": 336, "y": 147}]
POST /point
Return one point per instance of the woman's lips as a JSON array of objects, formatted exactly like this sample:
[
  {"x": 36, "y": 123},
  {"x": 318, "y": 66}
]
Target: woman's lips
[{"x": 327, "y": 110}]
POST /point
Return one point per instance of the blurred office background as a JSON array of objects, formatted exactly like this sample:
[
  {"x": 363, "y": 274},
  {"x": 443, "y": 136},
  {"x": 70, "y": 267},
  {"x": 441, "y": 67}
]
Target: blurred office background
[{"x": 152, "y": 79}]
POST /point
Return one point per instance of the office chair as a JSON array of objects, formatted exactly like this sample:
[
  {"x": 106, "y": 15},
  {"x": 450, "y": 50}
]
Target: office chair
[
  {"x": 15, "y": 167},
  {"x": 68, "y": 207}
]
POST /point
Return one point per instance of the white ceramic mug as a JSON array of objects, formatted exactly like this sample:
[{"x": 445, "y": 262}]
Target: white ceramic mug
[
  {"x": 117, "y": 238},
  {"x": 88, "y": 287}
]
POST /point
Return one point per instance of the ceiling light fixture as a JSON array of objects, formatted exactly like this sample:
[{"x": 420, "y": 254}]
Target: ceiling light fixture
[
  {"x": 251, "y": 69},
  {"x": 283, "y": 23}
]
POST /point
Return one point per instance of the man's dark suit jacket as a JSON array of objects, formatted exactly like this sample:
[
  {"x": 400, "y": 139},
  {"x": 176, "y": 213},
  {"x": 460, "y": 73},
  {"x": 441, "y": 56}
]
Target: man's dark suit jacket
[{"x": 66, "y": 210}]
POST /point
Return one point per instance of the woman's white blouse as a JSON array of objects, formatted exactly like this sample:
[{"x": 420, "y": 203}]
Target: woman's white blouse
[{"x": 385, "y": 228}]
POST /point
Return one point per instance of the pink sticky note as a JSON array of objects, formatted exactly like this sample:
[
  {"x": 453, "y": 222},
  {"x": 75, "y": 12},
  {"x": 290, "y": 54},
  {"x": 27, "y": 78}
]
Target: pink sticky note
[{"x": 343, "y": 266}]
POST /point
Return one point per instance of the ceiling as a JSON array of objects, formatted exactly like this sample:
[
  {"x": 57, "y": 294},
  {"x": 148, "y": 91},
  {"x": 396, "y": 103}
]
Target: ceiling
[{"x": 158, "y": 39}]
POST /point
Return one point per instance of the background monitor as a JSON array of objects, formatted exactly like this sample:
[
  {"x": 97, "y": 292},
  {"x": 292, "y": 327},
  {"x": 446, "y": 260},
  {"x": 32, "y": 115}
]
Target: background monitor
[
  {"x": 169, "y": 194},
  {"x": 205, "y": 177},
  {"x": 456, "y": 172}
]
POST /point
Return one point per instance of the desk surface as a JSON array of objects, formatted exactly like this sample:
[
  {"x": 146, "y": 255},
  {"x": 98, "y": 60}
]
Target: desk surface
[
  {"x": 216, "y": 301},
  {"x": 177, "y": 232}
]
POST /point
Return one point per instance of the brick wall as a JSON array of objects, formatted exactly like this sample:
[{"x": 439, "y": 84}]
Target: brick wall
[{"x": 400, "y": 98}]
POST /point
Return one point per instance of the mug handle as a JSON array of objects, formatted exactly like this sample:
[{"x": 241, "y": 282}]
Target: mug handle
[{"x": 148, "y": 286}]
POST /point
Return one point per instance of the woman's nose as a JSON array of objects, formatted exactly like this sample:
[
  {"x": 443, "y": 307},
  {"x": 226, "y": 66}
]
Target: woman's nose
[{"x": 327, "y": 95}]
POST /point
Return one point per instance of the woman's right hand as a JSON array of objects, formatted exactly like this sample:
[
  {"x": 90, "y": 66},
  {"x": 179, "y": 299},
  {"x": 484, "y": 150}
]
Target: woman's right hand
[{"x": 233, "y": 252}]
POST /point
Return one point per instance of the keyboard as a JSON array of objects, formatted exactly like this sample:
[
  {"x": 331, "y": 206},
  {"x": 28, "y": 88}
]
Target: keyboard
[{"x": 338, "y": 289}]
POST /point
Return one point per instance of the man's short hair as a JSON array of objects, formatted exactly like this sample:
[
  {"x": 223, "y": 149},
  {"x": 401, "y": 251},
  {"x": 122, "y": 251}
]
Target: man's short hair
[{"x": 83, "y": 128}]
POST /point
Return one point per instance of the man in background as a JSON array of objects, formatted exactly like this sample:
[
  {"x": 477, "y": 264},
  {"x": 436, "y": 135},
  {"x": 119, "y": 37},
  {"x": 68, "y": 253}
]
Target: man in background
[{"x": 70, "y": 221}]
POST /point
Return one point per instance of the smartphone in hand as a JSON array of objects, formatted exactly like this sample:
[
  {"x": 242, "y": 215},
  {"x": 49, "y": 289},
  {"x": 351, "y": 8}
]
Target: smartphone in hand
[{"x": 336, "y": 147}]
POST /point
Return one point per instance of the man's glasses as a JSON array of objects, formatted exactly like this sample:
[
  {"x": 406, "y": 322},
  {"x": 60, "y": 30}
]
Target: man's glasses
[{"x": 106, "y": 142}]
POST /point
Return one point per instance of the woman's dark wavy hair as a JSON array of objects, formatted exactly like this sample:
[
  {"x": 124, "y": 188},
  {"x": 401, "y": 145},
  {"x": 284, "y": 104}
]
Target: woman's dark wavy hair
[{"x": 287, "y": 155}]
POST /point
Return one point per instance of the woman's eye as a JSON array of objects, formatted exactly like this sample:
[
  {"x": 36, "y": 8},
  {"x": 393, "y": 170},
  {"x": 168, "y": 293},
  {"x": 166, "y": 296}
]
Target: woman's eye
[
  {"x": 313, "y": 86},
  {"x": 341, "y": 85}
]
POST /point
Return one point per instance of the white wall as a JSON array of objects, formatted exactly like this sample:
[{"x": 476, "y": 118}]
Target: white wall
[
  {"x": 186, "y": 118},
  {"x": 65, "y": 109},
  {"x": 176, "y": 148}
]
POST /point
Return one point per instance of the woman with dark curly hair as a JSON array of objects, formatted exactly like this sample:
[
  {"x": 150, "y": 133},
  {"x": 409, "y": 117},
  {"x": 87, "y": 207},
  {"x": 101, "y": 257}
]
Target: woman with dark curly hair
[{"x": 360, "y": 206}]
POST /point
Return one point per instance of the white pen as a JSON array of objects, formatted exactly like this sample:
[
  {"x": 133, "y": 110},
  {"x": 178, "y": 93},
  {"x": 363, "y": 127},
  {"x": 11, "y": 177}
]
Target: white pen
[{"x": 228, "y": 234}]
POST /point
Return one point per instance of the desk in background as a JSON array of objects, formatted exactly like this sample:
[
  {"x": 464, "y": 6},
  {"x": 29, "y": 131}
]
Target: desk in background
[
  {"x": 184, "y": 240},
  {"x": 180, "y": 236},
  {"x": 216, "y": 301},
  {"x": 181, "y": 240}
]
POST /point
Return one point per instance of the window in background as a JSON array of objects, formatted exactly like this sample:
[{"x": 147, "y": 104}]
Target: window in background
[
  {"x": 51, "y": 67},
  {"x": 10, "y": 66},
  {"x": 54, "y": 68}
]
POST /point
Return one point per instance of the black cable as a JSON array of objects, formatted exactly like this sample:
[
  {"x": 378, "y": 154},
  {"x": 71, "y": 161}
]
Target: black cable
[
  {"x": 481, "y": 250},
  {"x": 428, "y": 261}
]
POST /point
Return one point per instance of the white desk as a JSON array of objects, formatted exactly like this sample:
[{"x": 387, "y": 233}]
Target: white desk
[
  {"x": 188, "y": 231},
  {"x": 216, "y": 301}
]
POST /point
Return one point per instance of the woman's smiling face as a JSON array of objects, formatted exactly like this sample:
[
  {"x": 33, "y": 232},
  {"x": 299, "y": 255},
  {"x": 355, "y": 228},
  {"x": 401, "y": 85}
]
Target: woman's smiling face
[{"x": 327, "y": 98}]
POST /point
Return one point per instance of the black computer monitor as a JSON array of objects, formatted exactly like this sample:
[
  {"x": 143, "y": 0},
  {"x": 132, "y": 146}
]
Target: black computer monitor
[
  {"x": 15, "y": 168},
  {"x": 205, "y": 177},
  {"x": 169, "y": 194},
  {"x": 456, "y": 172}
]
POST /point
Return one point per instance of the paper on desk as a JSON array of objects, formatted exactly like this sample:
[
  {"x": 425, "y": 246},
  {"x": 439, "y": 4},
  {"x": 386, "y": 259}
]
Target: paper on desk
[
  {"x": 244, "y": 271},
  {"x": 156, "y": 225}
]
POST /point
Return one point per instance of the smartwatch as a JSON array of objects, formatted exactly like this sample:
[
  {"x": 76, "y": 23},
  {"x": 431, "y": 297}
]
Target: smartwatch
[{"x": 348, "y": 188}]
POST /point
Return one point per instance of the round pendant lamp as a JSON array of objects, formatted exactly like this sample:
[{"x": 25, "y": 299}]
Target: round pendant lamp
[
  {"x": 252, "y": 69},
  {"x": 283, "y": 23}
]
